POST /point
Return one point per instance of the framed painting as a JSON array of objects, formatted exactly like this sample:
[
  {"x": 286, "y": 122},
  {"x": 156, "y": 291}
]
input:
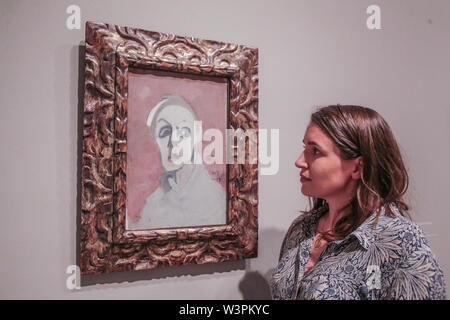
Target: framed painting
[{"x": 157, "y": 184}]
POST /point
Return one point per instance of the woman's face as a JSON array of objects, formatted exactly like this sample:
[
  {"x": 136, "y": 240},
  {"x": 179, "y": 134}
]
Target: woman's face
[{"x": 323, "y": 173}]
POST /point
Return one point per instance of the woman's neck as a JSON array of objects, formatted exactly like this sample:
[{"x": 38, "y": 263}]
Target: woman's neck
[{"x": 336, "y": 210}]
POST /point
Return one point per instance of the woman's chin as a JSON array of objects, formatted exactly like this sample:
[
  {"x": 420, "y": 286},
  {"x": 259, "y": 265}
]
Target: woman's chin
[{"x": 306, "y": 191}]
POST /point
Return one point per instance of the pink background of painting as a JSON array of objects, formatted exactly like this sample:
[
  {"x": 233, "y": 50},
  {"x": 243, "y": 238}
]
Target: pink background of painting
[{"x": 206, "y": 95}]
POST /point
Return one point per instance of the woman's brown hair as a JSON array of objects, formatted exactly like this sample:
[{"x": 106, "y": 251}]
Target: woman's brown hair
[{"x": 361, "y": 132}]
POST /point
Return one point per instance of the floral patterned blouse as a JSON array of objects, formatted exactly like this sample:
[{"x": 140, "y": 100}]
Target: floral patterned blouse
[{"x": 391, "y": 261}]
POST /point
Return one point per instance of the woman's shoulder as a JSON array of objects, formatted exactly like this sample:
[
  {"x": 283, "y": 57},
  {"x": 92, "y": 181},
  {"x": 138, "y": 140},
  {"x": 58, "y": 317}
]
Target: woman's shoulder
[
  {"x": 403, "y": 231},
  {"x": 301, "y": 228},
  {"x": 297, "y": 226},
  {"x": 418, "y": 274},
  {"x": 305, "y": 222}
]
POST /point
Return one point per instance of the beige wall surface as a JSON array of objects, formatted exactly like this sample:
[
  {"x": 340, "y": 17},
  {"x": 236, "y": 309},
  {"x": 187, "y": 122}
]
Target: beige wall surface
[{"x": 311, "y": 53}]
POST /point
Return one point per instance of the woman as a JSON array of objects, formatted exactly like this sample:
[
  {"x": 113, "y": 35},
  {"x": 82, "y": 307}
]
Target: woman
[{"x": 355, "y": 242}]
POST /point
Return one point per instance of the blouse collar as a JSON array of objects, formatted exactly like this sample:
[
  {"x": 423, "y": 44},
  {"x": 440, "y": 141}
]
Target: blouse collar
[{"x": 365, "y": 233}]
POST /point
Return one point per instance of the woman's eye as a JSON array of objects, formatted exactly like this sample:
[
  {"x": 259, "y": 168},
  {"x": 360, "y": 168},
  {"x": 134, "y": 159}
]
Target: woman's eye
[
  {"x": 165, "y": 131},
  {"x": 312, "y": 150}
]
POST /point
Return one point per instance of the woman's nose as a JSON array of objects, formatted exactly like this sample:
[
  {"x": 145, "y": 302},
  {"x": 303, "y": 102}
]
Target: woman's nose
[{"x": 301, "y": 163}]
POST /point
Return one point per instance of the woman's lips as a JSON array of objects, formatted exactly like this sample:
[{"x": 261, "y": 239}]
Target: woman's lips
[{"x": 303, "y": 179}]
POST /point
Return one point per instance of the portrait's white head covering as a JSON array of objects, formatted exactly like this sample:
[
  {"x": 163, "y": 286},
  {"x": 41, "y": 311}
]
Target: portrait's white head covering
[{"x": 167, "y": 100}]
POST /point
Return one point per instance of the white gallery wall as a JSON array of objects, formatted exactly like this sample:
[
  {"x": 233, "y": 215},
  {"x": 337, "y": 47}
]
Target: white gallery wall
[{"x": 310, "y": 53}]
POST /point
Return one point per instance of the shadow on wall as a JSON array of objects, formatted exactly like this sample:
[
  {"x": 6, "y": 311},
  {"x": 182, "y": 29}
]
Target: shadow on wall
[
  {"x": 160, "y": 273},
  {"x": 255, "y": 283},
  {"x": 254, "y": 287},
  {"x": 81, "y": 51}
]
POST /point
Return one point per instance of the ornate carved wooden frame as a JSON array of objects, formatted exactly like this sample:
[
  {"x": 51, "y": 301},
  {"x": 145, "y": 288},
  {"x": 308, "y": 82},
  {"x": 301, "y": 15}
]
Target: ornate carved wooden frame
[{"x": 105, "y": 244}]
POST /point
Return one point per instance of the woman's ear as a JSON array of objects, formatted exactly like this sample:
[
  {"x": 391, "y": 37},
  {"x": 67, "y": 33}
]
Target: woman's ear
[{"x": 357, "y": 169}]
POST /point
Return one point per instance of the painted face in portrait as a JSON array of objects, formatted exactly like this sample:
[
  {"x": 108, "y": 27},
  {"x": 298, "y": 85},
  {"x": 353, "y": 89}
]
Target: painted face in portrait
[{"x": 173, "y": 133}]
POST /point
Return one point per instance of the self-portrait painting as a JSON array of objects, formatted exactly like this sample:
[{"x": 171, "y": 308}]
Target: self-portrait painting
[
  {"x": 160, "y": 183},
  {"x": 166, "y": 187}
]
